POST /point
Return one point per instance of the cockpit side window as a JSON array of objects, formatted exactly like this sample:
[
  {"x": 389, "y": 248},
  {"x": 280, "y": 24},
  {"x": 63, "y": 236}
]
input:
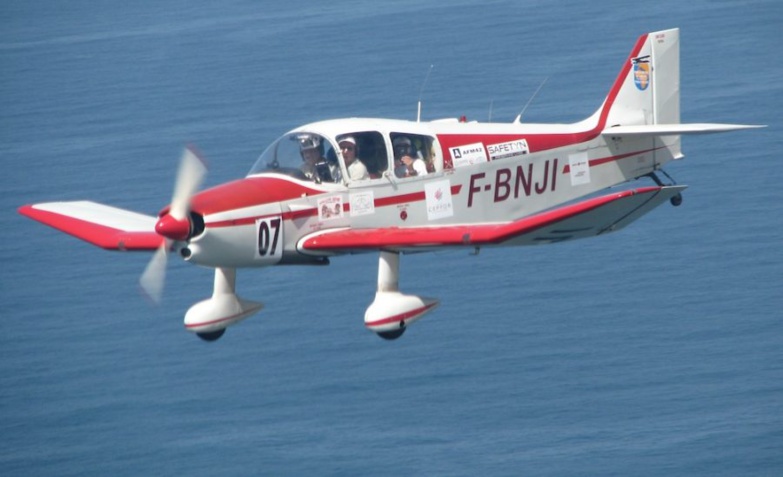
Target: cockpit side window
[
  {"x": 364, "y": 154},
  {"x": 414, "y": 155}
]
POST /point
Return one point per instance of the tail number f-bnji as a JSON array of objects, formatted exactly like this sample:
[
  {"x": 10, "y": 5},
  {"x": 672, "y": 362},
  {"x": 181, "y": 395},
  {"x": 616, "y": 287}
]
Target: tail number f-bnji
[{"x": 522, "y": 178}]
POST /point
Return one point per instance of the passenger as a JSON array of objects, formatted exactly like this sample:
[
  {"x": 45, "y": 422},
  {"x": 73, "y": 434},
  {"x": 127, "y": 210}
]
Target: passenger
[
  {"x": 357, "y": 171},
  {"x": 406, "y": 161}
]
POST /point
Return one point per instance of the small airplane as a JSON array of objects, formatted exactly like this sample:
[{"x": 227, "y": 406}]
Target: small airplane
[{"x": 362, "y": 185}]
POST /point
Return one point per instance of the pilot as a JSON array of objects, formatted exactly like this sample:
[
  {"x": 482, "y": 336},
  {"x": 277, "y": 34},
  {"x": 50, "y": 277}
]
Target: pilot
[
  {"x": 357, "y": 171},
  {"x": 314, "y": 166},
  {"x": 406, "y": 161}
]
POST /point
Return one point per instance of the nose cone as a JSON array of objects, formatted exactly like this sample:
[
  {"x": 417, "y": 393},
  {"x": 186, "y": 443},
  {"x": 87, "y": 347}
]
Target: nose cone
[{"x": 172, "y": 228}]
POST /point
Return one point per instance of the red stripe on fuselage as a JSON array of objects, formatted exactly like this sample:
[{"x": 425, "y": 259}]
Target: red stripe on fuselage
[
  {"x": 293, "y": 215},
  {"x": 249, "y": 192},
  {"x": 604, "y": 160}
]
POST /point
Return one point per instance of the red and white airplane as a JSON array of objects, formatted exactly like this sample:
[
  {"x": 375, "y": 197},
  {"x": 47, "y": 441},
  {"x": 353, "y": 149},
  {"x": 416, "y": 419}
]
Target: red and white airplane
[{"x": 361, "y": 185}]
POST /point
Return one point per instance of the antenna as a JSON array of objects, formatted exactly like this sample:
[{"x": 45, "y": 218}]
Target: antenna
[
  {"x": 489, "y": 116},
  {"x": 418, "y": 112},
  {"x": 519, "y": 118}
]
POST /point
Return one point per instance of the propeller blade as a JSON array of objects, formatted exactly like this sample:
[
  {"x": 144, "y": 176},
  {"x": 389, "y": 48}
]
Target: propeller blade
[
  {"x": 154, "y": 276},
  {"x": 175, "y": 225},
  {"x": 191, "y": 172}
]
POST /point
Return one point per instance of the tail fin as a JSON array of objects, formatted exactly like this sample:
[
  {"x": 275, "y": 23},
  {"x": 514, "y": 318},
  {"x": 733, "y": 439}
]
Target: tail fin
[
  {"x": 647, "y": 91},
  {"x": 645, "y": 98}
]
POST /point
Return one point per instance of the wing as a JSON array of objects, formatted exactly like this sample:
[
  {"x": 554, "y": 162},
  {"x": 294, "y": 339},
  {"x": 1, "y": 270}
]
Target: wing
[
  {"x": 588, "y": 218},
  {"x": 107, "y": 227}
]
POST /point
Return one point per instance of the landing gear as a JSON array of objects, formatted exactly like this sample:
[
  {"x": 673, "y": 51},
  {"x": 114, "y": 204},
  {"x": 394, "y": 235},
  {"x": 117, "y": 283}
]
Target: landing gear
[
  {"x": 209, "y": 318},
  {"x": 675, "y": 200},
  {"x": 391, "y": 312}
]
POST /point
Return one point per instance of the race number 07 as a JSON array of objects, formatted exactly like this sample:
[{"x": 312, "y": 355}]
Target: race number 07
[{"x": 269, "y": 239}]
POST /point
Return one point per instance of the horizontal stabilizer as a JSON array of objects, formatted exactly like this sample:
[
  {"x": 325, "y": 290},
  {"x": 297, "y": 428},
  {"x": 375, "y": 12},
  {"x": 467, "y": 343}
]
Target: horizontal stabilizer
[
  {"x": 675, "y": 129},
  {"x": 584, "y": 219},
  {"x": 101, "y": 225}
]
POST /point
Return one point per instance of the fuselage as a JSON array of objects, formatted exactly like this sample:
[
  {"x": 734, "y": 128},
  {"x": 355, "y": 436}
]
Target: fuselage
[{"x": 478, "y": 173}]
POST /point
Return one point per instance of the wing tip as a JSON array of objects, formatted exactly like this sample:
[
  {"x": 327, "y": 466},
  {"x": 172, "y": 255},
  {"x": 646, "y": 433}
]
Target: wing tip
[
  {"x": 26, "y": 210},
  {"x": 94, "y": 232}
]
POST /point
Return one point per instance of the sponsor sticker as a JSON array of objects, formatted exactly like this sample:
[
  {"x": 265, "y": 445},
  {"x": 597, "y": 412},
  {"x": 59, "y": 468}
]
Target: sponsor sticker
[
  {"x": 507, "y": 150},
  {"x": 468, "y": 154},
  {"x": 362, "y": 203},
  {"x": 438, "y": 198},
  {"x": 330, "y": 208},
  {"x": 641, "y": 72},
  {"x": 580, "y": 168}
]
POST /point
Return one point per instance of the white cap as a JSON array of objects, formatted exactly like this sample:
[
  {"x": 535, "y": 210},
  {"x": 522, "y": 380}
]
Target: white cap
[{"x": 348, "y": 139}]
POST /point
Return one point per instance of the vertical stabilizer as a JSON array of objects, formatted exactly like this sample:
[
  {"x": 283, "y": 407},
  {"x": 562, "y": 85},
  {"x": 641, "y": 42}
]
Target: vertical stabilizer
[{"x": 647, "y": 90}]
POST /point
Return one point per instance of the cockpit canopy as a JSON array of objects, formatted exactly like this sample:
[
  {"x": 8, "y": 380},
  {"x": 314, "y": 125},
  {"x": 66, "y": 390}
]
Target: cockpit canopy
[
  {"x": 349, "y": 157},
  {"x": 290, "y": 154}
]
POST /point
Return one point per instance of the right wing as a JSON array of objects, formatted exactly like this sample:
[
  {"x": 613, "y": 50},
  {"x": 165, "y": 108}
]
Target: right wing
[
  {"x": 583, "y": 219},
  {"x": 101, "y": 225}
]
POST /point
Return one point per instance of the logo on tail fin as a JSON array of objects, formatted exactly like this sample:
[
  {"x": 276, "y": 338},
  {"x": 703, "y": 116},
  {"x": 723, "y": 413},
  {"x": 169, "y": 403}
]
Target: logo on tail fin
[{"x": 641, "y": 72}]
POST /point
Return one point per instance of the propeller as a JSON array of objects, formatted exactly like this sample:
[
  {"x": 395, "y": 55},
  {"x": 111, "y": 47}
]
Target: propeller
[{"x": 175, "y": 224}]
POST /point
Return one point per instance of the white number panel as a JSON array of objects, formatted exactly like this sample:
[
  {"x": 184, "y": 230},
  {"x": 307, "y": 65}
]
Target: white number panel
[{"x": 269, "y": 239}]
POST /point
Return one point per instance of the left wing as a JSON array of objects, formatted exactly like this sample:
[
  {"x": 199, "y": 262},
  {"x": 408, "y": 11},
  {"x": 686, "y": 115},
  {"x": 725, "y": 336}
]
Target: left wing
[
  {"x": 583, "y": 219},
  {"x": 101, "y": 225}
]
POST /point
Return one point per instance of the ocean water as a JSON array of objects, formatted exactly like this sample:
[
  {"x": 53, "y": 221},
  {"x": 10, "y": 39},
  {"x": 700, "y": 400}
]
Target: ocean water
[{"x": 653, "y": 351}]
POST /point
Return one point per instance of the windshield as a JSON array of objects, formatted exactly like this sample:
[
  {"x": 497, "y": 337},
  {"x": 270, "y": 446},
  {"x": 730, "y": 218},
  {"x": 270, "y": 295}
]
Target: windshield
[{"x": 305, "y": 156}]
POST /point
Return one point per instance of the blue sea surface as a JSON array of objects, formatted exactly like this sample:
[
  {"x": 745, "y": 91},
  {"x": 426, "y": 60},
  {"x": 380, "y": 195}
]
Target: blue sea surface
[{"x": 657, "y": 350}]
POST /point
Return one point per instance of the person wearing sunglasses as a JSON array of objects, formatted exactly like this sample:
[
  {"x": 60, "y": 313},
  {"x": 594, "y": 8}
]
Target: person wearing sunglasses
[
  {"x": 407, "y": 162},
  {"x": 356, "y": 169}
]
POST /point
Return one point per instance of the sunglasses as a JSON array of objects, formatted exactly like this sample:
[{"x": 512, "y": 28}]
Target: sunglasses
[{"x": 347, "y": 148}]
